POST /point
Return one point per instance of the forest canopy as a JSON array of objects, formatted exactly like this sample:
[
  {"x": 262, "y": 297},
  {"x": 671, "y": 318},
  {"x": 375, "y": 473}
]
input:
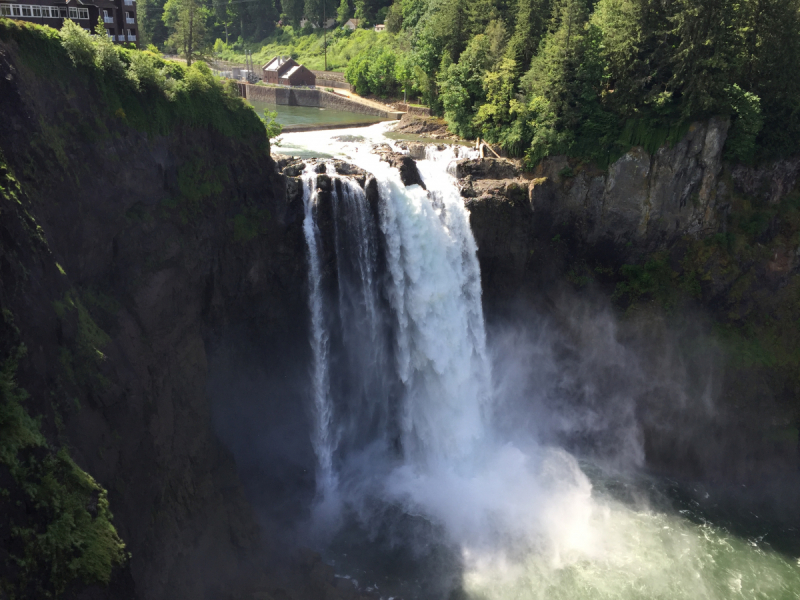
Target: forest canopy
[{"x": 539, "y": 77}]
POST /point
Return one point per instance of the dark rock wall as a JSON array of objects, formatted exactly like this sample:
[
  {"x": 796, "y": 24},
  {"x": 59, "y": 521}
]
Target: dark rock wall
[
  {"x": 560, "y": 238},
  {"x": 171, "y": 267}
]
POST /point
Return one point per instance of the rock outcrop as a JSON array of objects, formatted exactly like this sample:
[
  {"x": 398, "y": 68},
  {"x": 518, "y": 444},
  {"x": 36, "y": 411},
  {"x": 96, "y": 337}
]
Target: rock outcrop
[{"x": 642, "y": 197}]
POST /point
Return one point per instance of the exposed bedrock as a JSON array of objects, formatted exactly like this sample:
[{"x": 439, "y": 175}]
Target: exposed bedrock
[{"x": 543, "y": 235}]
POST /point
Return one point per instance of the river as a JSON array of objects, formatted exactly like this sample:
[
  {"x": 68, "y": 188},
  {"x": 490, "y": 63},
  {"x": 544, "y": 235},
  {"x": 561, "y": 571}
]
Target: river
[
  {"x": 421, "y": 493},
  {"x": 292, "y": 116}
]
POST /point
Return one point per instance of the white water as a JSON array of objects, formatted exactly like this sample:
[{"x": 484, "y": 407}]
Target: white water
[
  {"x": 527, "y": 522},
  {"x": 322, "y": 434}
]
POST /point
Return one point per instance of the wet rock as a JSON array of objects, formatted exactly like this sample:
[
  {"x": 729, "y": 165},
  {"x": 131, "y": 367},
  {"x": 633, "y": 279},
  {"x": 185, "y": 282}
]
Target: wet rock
[
  {"x": 407, "y": 166},
  {"x": 294, "y": 169},
  {"x": 324, "y": 183},
  {"x": 416, "y": 151},
  {"x": 487, "y": 168},
  {"x": 320, "y": 168}
]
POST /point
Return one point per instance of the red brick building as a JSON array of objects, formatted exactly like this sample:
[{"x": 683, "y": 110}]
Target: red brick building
[
  {"x": 298, "y": 75},
  {"x": 119, "y": 16},
  {"x": 285, "y": 71},
  {"x": 272, "y": 71}
]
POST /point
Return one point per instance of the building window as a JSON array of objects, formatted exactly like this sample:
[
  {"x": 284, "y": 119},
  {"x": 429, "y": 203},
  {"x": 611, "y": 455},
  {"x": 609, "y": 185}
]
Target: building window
[
  {"x": 45, "y": 11},
  {"x": 26, "y": 11},
  {"x": 62, "y": 12},
  {"x": 83, "y": 13},
  {"x": 37, "y": 11},
  {"x": 5, "y": 10},
  {"x": 73, "y": 12}
]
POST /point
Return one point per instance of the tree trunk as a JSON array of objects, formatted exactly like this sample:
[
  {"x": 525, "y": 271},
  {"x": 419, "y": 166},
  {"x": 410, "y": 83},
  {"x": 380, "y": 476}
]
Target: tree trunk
[{"x": 191, "y": 25}]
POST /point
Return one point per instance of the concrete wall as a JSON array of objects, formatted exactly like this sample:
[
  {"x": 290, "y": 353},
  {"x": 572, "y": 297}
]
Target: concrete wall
[
  {"x": 332, "y": 79},
  {"x": 312, "y": 98}
]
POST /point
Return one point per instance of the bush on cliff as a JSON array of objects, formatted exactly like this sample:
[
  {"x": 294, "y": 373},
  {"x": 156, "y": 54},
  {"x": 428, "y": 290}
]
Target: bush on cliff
[{"x": 123, "y": 79}]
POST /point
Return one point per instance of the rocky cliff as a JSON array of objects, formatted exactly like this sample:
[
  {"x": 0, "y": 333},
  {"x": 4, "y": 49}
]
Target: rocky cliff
[
  {"x": 130, "y": 254},
  {"x": 674, "y": 241}
]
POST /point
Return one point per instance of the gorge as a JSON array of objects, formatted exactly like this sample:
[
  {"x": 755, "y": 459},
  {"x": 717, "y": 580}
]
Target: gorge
[{"x": 247, "y": 352}]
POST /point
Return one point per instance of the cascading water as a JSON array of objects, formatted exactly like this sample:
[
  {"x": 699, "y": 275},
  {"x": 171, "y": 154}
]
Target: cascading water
[
  {"x": 322, "y": 438},
  {"x": 404, "y": 405}
]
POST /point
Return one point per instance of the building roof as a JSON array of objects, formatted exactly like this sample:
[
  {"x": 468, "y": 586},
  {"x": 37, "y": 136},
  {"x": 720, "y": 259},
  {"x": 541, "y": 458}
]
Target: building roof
[
  {"x": 276, "y": 63},
  {"x": 291, "y": 71},
  {"x": 353, "y": 21}
]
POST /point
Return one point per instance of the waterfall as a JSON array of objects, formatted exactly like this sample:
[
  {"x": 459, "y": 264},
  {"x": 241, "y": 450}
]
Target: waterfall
[
  {"x": 322, "y": 435},
  {"x": 405, "y": 429},
  {"x": 428, "y": 337}
]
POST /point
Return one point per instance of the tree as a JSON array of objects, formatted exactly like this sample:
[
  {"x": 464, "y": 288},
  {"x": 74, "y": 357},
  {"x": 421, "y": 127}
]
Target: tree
[
  {"x": 461, "y": 86},
  {"x": 530, "y": 26},
  {"x": 294, "y": 11},
  {"x": 704, "y": 58},
  {"x": 551, "y": 83},
  {"x": 151, "y": 25},
  {"x": 394, "y": 18},
  {"x": 187, "y": 21},
  {"x": 343, "y": 12}
]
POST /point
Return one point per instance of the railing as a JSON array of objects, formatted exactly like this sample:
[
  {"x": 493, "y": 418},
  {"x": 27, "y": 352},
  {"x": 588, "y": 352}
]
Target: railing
[
  {"x": 130, "y": 20},
  {"x": 132, "y": 38},
  {"x": 108, "y": 19},
  {"x": 129, "y": 2},
  {"x": 121, "y": 38}
]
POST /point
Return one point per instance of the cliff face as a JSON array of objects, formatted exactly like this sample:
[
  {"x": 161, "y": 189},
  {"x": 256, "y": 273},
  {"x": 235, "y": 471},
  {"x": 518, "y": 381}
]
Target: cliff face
[
  {"x": 681, "y": 242},
  {"x": 128, "y": 259}
]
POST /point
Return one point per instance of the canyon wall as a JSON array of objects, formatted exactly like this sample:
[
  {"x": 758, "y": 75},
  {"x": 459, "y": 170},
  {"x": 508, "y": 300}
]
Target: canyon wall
[
  {"x": 128, "y": 258},
  {"x": 675, "y": 241}
]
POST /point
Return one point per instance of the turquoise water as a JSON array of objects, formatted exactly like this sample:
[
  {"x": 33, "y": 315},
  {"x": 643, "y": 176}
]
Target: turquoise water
[{"x": 290, "y": 116}]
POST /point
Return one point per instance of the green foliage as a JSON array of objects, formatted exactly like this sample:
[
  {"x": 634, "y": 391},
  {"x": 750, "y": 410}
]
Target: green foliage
[
  {"x": 343, "y": 12},
  {"x": 249, "y": 224},
  {"x": 81, "y": 361},
  {"x": 65, "y": 534},
  {"x": 78, "y": 43},
  {"x": 152, "y": 96},
  {"x": 461, "y": 86},
  {"x": 274, "y": 128},
  {"x": 741, "y": 142},
  {"x": 653, "y": 280},
  {"x": 186, "y": 20},
  {"x": 373, "y": 72}
]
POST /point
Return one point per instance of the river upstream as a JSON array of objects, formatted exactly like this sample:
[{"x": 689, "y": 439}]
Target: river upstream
[{"x": 424, "y": 489}]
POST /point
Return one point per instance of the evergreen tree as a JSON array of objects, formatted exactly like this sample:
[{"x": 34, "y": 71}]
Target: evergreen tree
[
  {"x": 394, "y": 18},
  {"x": 151, "y": 26},
  {"x": 186, "y": 19},
  {"x": 704, "y": 58},
  {"x": 343, "y": 12},
  {"x": 293, "y": 9},
  {"x": 551, "y": 84},
  {"x": 530, "y": 26}
]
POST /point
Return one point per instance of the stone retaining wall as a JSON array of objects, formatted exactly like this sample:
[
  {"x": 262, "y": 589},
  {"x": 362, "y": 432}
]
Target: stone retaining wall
[
  {"x": 414, "y": 110},
  {"x": 332, "y": 79},
  {"x": 312, "y": 98}
]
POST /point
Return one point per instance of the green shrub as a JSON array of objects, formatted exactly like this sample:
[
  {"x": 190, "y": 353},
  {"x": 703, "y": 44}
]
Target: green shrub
[
  {"x": 65, "y": 533},
  {"x": 78, "y": 43},
  {"x": 747, "y": 124}
]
